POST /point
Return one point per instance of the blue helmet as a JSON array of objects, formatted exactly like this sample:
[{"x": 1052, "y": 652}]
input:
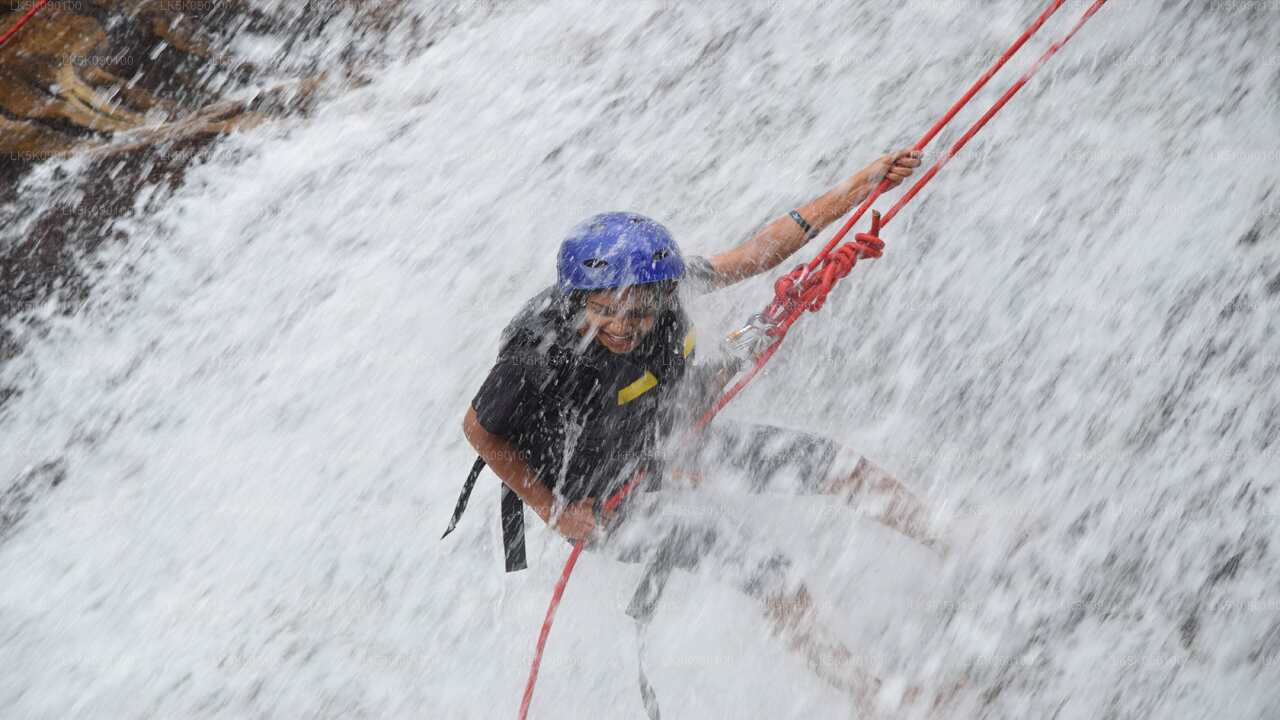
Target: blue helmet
[{"x": 617, "y": 249}]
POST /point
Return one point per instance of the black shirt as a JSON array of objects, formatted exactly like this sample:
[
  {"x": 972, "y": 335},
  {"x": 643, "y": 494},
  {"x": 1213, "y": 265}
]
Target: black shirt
[{"x": 585, "y": 418}]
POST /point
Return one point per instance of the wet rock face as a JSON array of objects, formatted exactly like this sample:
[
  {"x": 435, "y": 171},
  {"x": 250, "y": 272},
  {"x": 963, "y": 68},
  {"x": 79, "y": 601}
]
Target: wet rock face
[
  {"x": 44, "y": 259},
  {"x": 80, "y": 71},
  {"x": 76, "y": 75},
  {"x": 138, "y": 87}
]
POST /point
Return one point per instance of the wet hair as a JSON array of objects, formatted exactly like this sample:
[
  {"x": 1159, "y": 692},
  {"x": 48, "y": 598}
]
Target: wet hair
[{"x": 665, "y": 290}]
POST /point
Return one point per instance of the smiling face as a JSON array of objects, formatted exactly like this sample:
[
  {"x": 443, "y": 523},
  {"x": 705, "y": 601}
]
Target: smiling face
[{"x": 620, "y": 319}]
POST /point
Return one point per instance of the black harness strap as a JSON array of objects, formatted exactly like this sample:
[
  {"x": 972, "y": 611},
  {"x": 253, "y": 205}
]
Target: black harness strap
[
  {"x": 642, "y": 607},
  {"x": 512, "y": 518},
  {"x": 648, "y": 695},
  {"x": 513, "y": 529},
  {"x": 467, "y": 487}
]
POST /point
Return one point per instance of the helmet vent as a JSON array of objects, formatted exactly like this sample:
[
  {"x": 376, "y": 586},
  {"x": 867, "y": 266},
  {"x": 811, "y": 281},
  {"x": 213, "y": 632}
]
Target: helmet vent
[
  {"x": 661, "y": 255},
  {"x": 594, "y": 263}
]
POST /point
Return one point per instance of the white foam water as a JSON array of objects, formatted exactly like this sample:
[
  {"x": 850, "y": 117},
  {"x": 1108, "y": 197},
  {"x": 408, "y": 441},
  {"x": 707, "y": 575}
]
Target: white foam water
[{"x": 1069, "y": 349}]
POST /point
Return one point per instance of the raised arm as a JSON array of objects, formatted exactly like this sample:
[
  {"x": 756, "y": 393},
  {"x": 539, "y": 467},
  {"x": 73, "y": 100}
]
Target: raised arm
[{"x": 782, "y": 237}]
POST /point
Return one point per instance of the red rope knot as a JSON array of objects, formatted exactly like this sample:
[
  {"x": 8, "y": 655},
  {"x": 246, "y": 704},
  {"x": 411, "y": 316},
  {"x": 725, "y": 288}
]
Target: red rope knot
[
  {"x": 788, "y": 292},
  {"x": 841, "y": 261},
  {"x": 800, "y": 288}
]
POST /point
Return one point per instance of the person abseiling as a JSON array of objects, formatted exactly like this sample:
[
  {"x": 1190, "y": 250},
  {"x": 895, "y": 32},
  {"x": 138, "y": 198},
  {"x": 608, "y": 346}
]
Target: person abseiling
[{"x": 597, "y": 371}]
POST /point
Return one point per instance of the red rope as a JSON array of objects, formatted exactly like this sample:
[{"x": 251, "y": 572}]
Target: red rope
[
  {"x": 801, "y": 289},
  {"x": 973, "y": 130},
  {"x": 556, "y": 595},
  {"x": 546, "y": 628},
  {"x": 18, "y": 25},
  {"x": 924, "y": 141},
  {"x": 807, "y": 286}
]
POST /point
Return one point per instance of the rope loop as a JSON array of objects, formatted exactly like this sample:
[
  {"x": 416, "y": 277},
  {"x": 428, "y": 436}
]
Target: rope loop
[
  {"x": 788, "y": 291},
  {"x": 802, "y": 289}
]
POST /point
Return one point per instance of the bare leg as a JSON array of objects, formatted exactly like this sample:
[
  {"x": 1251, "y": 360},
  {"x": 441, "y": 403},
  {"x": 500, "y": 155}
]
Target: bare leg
[
  {"x": 793, "y": 618},
  {"x": 888, "y": 501},
  {"x": 762, "y": 573},
  {"x": 869, "y": 486},
  {"x": 777, "y": 459}
]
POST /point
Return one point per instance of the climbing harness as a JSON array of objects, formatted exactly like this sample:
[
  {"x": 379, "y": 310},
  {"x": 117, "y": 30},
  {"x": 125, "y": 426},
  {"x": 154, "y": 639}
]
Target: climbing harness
[{"x": 512, "y": 516}]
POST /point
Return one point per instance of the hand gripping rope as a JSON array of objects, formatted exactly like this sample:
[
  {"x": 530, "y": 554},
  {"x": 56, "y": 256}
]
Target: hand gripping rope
[
  {"x": 35, "y": 8},
  {"x": 806, "y": 287}
]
